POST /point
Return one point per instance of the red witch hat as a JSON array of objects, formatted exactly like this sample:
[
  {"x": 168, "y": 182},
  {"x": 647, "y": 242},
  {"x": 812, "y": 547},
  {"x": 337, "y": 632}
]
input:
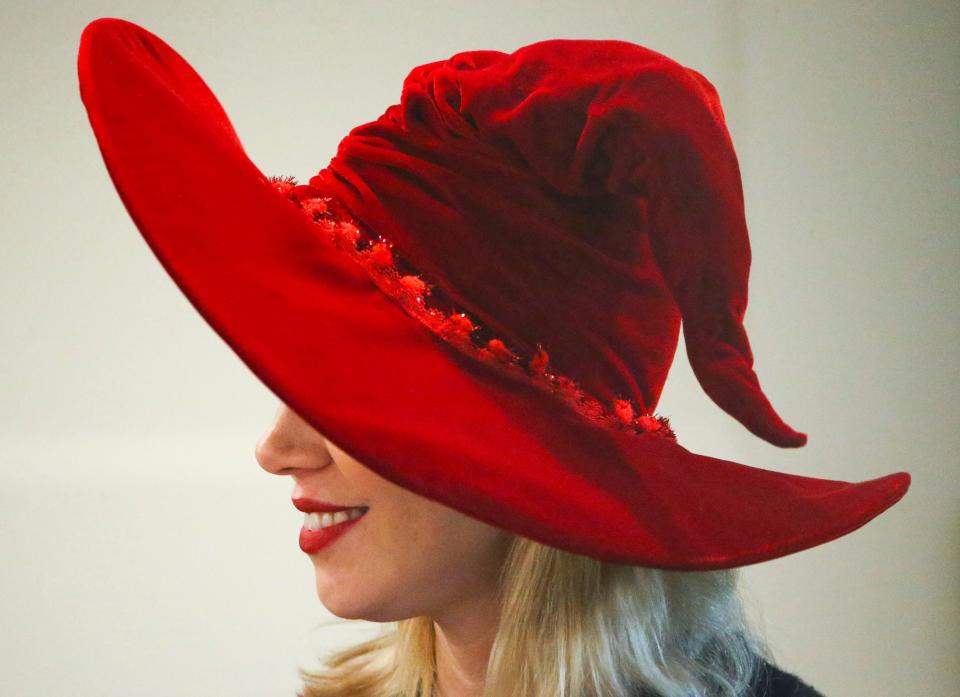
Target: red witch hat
[{"x": 480, "y": 296}]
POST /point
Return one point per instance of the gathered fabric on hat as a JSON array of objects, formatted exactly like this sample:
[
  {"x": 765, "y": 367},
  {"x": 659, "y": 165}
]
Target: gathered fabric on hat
[{"x": 580, "y": 194}]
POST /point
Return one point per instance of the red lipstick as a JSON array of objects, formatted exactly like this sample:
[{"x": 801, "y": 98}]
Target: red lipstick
[{"x": 312, "y": 541}]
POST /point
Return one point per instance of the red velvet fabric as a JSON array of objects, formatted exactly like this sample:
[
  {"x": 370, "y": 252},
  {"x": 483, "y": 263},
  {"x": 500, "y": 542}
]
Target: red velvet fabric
[
  {"x": 584, "y": 194},
  {"x": 591, "y": 232}
]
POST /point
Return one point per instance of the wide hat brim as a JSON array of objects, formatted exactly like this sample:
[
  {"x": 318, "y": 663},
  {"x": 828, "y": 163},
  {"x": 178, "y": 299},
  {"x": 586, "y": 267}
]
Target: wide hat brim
[{"x": 310, "y": 323}]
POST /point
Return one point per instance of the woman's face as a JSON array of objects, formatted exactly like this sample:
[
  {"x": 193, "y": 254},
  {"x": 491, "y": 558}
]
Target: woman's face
[{"x": 407, "y": 556}]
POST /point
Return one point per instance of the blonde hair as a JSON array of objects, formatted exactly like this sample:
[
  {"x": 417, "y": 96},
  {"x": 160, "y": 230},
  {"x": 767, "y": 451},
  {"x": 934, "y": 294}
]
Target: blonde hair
[{"x": 573, "y": 626}]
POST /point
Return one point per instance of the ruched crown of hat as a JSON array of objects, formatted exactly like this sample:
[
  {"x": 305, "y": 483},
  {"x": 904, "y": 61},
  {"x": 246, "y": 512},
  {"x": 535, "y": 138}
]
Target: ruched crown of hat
[{"x": 583, "y": 195}]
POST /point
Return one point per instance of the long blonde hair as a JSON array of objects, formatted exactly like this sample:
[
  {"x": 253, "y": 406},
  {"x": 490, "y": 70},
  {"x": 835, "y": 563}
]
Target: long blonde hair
[{"x": 573, "y": 626}]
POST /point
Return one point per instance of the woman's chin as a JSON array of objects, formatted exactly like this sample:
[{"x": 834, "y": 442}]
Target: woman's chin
[
  {"x": 333, "y": 600},
  {"x": 346, "y": 602},
  {"x": 342, "y": 597}
]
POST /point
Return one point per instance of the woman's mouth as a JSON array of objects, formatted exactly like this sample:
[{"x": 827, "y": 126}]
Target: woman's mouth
[{"x": 322, "y": 529}]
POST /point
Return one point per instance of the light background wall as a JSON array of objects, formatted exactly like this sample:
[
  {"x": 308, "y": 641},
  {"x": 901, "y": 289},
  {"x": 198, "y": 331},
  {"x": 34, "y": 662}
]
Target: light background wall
[{"x": 143, "y": 550}]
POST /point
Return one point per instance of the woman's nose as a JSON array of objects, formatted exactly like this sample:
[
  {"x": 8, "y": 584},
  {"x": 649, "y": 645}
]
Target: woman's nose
[
  {"x": 271, "y": 456},
  {"x": 290, "y": 444}
]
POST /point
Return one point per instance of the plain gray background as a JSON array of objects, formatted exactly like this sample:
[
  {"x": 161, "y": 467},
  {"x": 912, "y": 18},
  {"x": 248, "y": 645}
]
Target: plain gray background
[{"x": 146, "y": 553}]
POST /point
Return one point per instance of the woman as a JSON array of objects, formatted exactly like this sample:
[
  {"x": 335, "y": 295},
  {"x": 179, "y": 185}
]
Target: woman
[
  {"x": 469, "y": 316},
  {"x": 465, "y": 599}
]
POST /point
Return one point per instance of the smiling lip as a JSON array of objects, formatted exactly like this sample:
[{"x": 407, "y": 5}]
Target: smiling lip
[
  {"x": 312, "y": 541},
  {"x": 315, "y": 506}
]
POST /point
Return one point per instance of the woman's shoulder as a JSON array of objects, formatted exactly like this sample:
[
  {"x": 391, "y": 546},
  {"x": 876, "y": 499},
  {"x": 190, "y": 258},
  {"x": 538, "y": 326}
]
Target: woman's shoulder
[{"x": 771, "y": 681}]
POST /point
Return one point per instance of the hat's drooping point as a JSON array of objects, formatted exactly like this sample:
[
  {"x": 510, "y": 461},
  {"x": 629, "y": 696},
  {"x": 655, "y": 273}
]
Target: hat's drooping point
[{"x": 480, "y": 296}]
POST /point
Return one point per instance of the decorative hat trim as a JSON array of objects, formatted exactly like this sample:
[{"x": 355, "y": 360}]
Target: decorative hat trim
[{"x": 381, "y": 261}]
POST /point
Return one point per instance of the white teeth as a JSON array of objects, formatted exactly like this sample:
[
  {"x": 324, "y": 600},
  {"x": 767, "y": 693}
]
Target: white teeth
[{"x": 316, "y": 521}]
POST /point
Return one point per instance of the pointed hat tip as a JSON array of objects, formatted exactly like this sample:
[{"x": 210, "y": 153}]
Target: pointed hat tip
[{"x": 789, "y": 439}]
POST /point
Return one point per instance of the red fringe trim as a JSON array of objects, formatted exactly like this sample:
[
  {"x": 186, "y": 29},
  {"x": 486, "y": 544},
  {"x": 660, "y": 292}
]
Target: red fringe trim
[{"x": 379, "y": 259}]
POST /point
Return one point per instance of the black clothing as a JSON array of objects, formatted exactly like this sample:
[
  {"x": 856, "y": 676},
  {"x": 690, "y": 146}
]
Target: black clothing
[{"x": 770, "y": 681}]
